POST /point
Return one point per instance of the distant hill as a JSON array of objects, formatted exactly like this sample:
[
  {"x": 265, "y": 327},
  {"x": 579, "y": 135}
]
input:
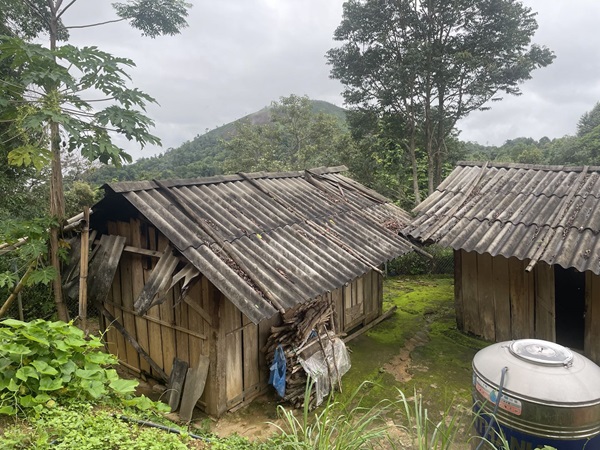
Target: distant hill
[{"x": 201, "y": 157}]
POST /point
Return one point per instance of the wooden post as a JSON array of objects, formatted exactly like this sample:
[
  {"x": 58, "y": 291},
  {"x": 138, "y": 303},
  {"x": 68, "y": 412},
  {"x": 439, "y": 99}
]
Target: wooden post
[
  {"x": 11, "y": 298},
  {"x": 83, "y": 269}
]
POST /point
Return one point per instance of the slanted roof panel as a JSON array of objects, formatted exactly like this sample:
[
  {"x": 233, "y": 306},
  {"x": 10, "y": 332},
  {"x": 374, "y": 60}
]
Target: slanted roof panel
[
  {"x": 272, "y": 241},
  {"x": 547, "y": 213}
]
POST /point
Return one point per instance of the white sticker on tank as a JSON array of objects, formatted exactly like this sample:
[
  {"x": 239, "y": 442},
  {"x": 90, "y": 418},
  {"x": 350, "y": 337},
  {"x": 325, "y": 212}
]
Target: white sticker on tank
[{"x": 507, "y": 403}]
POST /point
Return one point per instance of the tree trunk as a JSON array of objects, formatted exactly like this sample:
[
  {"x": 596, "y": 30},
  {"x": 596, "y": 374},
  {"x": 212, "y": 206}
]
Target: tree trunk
[
  {"x": 429, "y": 148},
  {"x": 57, "y": 197},
  {"x": 441, "y": 136},
  {"x": 413, "y": 162}
]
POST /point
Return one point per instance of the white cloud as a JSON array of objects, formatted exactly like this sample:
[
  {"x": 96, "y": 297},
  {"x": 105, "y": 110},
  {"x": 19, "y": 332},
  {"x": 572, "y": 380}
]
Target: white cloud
[{"x": 239, "y": 55}]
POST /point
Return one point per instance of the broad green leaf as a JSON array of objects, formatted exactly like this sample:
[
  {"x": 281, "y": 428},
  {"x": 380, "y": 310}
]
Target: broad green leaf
[
  {"x": 50, "y": 384},
  {"x": 13, "y": 323},
  {"x": 27, "y": 372},
  {"x": 123, "y": 387},
  {"x": 4, "y": 363},
  {"x": 93, "y": 374},
  {"x": 37, "y": 335},
  {"x": 68, "y": 368},
  {"x": 43, "y": 367},
  {"x": 13, "y": 386},
  {"x": 43, "y": 276},
  {"x": 8, "y": 410},
  {"x": 99, "y": 358},
  {"x": 94, "y": 388},
  {"x": 16, "y": 349},
  {"x": 75, "y": 341}
]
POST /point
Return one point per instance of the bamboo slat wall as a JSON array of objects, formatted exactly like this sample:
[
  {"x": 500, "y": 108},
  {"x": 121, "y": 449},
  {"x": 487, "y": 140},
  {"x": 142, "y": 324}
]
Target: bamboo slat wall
[{"x": 497, "y": 299}]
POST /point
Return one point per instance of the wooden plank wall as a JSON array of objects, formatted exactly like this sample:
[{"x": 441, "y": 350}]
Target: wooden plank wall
[
  {"x": 472, "y": 323},
  {"x": 168, "y": 330},
  {"x": 500, "y": 287},
  {"x": 485, "y": 296},
  {"x": 242, "y": 356},
  {"x": 545, "y": 303},
  {"x": 360, "y": 300},
  {"x": 495, "y": 298},
  {"x": 592, "y": 317}
]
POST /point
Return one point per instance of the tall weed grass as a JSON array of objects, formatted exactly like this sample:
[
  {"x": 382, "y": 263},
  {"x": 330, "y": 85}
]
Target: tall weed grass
[{"x": 336, "y": 425}]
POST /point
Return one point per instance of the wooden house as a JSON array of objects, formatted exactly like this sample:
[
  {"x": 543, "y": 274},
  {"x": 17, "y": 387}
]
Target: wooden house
[
  {"x": 527, "y": 250},
  {"x": 203, "y": 268}
]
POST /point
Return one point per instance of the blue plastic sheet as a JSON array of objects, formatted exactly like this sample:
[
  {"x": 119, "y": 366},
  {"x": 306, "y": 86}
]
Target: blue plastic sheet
[{"x": 277, "y": 375}]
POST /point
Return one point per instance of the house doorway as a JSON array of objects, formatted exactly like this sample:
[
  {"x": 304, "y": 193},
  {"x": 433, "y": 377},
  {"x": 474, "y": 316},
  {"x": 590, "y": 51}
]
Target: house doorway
[{"x": 569, "y": 288}]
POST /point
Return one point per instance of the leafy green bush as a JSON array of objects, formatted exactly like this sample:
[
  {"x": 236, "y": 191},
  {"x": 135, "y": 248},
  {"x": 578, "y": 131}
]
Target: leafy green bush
[
  {"x": 42, "y": 363},
  {"x": 83, "y": 428},
  {"x": 415, "y": 264}
]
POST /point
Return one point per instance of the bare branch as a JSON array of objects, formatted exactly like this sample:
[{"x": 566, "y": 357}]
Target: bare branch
[
  {"x": 65, "y": 8},
  {"x": 95, "y": 24}
]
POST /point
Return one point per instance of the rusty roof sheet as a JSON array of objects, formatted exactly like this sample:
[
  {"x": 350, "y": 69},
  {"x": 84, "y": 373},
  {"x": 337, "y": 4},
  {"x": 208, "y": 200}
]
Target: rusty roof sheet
[
  {"x": 270, "y": 241},
  {"x": 540, "y": 213}
]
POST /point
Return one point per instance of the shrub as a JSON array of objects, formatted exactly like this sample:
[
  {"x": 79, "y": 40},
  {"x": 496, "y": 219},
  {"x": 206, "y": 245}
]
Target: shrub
[{"x": 42, "y": 363}]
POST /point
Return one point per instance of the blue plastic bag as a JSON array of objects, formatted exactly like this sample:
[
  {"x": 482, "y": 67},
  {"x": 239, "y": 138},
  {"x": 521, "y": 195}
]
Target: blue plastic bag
[{"x": 277, "y": 375}]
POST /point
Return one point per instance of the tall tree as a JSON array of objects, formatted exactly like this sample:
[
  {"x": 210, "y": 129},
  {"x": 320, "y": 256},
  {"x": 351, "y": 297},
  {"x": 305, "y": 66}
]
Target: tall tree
[
  {"x": 432, "y": 62},
  {"x": 295, "y": 137},
  {"x": 55, "y": 82}
]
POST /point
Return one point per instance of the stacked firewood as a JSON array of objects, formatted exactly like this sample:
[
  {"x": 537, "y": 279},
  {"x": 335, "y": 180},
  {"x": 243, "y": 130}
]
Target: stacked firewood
[{"x": 301, "y": 334}]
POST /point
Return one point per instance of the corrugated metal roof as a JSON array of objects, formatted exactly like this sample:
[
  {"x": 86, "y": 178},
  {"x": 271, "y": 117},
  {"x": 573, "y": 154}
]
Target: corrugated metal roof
[
  {"x": 546, "y": 213},
  {"x": 270, "y": 241}
]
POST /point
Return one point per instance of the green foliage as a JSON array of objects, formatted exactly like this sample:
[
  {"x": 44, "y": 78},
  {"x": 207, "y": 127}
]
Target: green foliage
[
  {"x": 295, "y": 138},
  {"x": 47, "y": 71},
  {"x": 589, "y": 121},
  {"x": 32, "y": 256},
  {"x": 425, "y": 432},
  {"x": 44, "y": 363},
  {"x": 155, "y": 17},
  {"x": 78, "y": 195},
  {"x": 205, "y": 155},
  {"x": 17, "y": 18},
  {"x": 432, "y": 63},
  {"x": 415, "y": 264},
  {"x": 81, "y": 427},
  {"x": 339, "y": 426}
]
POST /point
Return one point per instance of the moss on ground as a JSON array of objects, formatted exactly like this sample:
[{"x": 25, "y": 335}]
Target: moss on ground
[{"x": 440, "y": 368}]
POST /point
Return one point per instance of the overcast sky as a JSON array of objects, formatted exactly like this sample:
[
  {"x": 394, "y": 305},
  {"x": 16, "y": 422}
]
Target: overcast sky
[{"x": 237, "y": 56}]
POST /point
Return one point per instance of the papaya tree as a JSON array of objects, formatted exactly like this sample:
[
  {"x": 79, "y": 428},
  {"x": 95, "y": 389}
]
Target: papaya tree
[{"x": 56, "y": 89}]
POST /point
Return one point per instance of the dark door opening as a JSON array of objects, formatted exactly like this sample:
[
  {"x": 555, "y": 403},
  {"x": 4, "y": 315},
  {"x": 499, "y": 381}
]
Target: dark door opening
[{"x": 569, "y": 288}]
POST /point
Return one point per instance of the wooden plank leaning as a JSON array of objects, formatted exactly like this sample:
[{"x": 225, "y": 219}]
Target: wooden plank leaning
[
  {"x": 176, "y": 380},
  {"x": 193, "y": 388}
]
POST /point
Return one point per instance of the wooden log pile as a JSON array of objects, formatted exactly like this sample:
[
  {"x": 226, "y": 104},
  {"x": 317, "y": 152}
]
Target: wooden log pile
[{"x": 301, "y": 334}]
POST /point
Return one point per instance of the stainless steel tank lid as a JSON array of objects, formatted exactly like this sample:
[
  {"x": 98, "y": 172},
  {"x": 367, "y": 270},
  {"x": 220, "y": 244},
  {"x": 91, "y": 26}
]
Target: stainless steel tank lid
[
  {"x": 541, "y": 352},
  {"x": 575, "y": 383}
]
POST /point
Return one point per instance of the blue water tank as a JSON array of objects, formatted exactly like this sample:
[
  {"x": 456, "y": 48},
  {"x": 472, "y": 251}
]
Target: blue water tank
[{"x": 551, "y": 396}]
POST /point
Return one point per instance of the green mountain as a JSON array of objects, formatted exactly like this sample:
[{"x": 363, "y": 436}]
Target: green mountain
[{"x": 200, "y": 157}]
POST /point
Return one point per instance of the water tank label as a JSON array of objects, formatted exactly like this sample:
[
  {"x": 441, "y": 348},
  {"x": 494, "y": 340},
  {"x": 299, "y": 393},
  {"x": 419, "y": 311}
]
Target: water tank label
[{"x": 507, "y": 403}]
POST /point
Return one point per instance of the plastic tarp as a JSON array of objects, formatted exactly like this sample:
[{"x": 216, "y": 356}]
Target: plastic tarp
[
  {"x": 327, "y": 368},
  {"x": 277, "y": 375}
]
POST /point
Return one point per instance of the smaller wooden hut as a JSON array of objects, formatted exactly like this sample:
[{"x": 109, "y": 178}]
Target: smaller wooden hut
[
  {"x": 527, "y": 250},
  {"x": 202, "y": 270}
]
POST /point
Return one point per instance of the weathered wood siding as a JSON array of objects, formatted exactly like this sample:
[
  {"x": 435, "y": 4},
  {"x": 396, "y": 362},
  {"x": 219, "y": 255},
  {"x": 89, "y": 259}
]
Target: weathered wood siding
[
  {"x": 495, "y": 298},
  {"x": 207, "y": 323},
  {"x": 359, "y": 302},
  {"x": 174, "y": 328},
  {"x": 592, "y": 317}
]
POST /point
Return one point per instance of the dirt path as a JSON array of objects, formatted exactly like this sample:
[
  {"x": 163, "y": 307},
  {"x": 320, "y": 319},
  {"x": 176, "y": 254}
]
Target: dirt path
[{"x": 401, "y": 365}]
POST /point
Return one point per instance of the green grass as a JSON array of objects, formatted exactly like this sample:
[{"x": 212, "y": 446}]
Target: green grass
[{"x": 440, "y": 369}]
